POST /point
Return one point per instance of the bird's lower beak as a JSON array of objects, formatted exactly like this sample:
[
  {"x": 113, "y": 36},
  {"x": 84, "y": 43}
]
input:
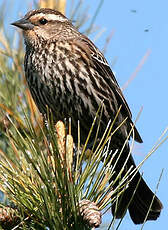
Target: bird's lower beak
[{"x": 23, "y": 24}]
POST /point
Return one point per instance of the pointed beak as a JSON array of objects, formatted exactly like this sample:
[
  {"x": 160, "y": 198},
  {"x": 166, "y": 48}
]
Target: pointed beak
[{"x": 24, "y": 24}]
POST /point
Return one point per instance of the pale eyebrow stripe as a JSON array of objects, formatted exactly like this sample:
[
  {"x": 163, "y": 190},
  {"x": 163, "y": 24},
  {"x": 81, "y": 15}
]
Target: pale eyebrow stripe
[{"x": 50, "y": 17}]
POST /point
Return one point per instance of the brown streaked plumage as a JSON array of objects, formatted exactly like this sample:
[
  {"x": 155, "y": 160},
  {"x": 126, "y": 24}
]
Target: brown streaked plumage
[{"x": 66, "y": 72}]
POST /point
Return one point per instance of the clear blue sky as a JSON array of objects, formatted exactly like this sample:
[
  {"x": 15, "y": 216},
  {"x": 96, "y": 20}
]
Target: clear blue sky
[{"x": 134, "y": 34}]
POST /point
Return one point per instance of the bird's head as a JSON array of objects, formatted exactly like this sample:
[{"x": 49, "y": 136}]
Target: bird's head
[{"x": 43, "y": 24}]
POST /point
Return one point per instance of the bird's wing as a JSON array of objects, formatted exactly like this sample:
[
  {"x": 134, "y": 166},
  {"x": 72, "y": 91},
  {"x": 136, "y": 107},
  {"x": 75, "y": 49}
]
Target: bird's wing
[
  {"x": 100, "y": 61},
  {"x": 100, "y": 64}
]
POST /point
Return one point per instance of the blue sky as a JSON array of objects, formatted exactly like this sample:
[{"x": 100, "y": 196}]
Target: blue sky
[{"x": 138, "y": 26}]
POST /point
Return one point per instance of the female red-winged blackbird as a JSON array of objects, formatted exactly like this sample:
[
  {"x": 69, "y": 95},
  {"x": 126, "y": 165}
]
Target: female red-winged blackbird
[{"x": 69, "y": 75}]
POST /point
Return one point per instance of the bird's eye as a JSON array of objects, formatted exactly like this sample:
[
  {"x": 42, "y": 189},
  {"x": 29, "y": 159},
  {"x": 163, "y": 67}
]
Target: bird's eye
[{"x": 43, "y": 21}]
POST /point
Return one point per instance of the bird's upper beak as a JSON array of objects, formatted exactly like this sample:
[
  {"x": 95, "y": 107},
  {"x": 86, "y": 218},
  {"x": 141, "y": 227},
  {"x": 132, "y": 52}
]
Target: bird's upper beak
[{"x": 24, "y": 24}]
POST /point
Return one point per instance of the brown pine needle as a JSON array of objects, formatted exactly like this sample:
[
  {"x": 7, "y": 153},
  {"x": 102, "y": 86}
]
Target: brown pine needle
[{"x": 138, "y": 68}]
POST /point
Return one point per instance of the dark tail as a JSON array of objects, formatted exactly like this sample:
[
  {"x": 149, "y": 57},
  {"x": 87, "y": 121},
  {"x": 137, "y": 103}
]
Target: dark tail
[{"x": 141, "y": 201}]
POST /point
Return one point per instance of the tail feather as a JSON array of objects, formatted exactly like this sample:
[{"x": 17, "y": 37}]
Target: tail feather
[{"x": 140, "y": 202}]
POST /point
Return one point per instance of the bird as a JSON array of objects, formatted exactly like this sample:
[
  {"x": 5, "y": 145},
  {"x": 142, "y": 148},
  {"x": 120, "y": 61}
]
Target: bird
[{"x": 70, "y": 76}]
